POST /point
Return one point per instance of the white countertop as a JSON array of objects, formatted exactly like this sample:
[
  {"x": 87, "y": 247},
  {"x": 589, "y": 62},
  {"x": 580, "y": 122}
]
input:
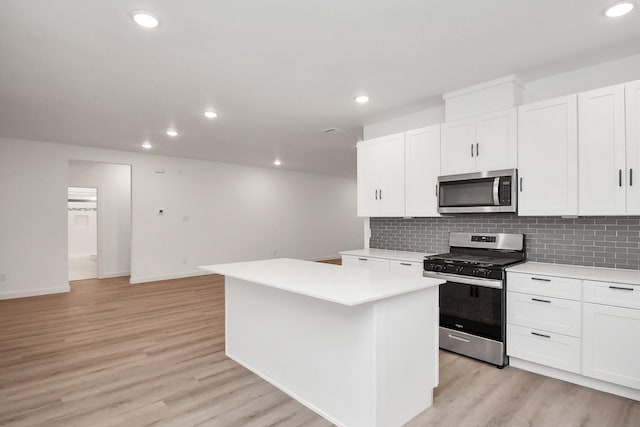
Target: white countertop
[
  {"x": 329, "y": 282},
  {"x": 383, "y": 253},
  {"x": 600, "y": 274}
]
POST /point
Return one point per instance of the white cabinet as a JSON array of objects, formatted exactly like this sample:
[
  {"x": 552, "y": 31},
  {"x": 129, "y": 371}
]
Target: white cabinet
[
  {"x": 422, "y": 168},
  {"x": 632, "y": 101},
  {"x": 603, "y": 179},
  {"x": 544, "y": 320},
  {"x": 365, "y": 262},
  {"x": 381, "y": 176},
  {"x": 378, "y": 263},
  {"x": 548, "y": 157},
  {"x": 611, "y": 348},
  {"x": 483, "y": 143}
]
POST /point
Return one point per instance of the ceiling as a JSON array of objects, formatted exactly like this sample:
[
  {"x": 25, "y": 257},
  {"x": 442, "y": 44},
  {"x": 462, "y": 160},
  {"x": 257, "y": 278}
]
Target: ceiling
[{"x": 278, "y": 72}]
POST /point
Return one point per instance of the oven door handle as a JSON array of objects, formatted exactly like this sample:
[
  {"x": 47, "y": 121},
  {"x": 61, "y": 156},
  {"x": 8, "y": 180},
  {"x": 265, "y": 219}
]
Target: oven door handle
[
  {"x": 496, "y": 191},
  {"x": 477, "y": 281}
]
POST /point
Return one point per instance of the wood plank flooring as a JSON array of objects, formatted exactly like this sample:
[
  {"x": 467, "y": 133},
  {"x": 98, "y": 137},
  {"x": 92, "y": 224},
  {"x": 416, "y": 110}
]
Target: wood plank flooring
[{"x": 113, "y": 354}]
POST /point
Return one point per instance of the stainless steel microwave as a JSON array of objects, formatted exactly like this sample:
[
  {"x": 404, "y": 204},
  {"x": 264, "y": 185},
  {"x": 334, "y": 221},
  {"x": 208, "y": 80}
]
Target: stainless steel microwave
[{"x": 481, "y": 192}]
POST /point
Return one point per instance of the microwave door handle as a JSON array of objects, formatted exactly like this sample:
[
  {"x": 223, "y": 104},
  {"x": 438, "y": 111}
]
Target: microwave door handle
[{"x": 496, "y": 188}]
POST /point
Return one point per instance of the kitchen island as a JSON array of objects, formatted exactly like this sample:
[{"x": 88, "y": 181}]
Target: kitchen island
[{"x": 358, "y": 347}]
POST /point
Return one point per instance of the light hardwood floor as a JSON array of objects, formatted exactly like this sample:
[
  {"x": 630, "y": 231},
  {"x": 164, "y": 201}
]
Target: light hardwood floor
[{"x": 113, "y": 354}]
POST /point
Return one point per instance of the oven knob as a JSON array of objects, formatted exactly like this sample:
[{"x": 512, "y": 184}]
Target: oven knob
[{"x": 459, "y": 269}]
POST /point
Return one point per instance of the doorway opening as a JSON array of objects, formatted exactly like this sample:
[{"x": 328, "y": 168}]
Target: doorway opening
[{"x": 83, "y": 232}]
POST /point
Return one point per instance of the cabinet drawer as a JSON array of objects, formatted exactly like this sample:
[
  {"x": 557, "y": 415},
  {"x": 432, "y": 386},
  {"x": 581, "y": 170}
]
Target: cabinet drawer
[
  {"x": 406, "y": 267},
  {"x": 559, "y": 287},
  {"x": 546, "y": 313},
  {"x": 618, "y": 294},
  {"x": 545, "y": 348},
  {"x": 368, "y": 263}
]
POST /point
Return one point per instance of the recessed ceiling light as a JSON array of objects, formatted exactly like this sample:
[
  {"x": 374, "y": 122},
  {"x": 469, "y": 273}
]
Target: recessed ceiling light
[
  {"x": 210, "y": 114},
  {"x": 619, "y": 9},
  {"x": 277, "y": 162},
  {"x": 146, "y": 145},
  {"x": 172, "y": 132},
  {"x": 145, "y": 19},
  {"x": 362, "y": 99}
]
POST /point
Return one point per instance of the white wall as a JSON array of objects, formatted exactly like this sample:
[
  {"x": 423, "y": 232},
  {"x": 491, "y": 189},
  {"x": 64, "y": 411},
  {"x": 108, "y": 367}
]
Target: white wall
[
  {"x": 83, "y": 229},
  {"x": 586, "y": 78},
  {"x": 214, "y": 212},
  {"x": 113, "y": 182}
]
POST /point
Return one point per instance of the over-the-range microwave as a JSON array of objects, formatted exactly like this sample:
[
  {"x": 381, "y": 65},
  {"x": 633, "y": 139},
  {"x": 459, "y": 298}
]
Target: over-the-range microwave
[{"x": 480, "y": 192}]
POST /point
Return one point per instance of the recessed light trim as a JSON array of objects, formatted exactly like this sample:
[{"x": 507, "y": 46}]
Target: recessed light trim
[
  {"x": 145, "y": 19},
  {"x": 277, "y": 162},
  {"x": 210, "y": 114},
  {"x": 172, "y": 132},
  {"x": 146, "y": 145},
  {"x": 362, "y": 99},
  {"x": 619, "y": 9}
]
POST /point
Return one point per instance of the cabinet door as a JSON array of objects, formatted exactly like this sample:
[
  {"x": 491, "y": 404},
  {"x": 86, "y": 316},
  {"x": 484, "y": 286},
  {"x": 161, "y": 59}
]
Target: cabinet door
[
  {"x": 381, "y": 176},
  {"x": 632, "y": 99},
  {"x": 391, "y": 194},
  {"x": 422, "y": 162},
  {"x": 611, "y": 349},
  {"x": 548, "y": 157},
  {"x": 601, "y": 153},
  {"x": 368, "y": 178},
  {"x": 497, "y": 141},
  {"x": 458, "y": 147}
]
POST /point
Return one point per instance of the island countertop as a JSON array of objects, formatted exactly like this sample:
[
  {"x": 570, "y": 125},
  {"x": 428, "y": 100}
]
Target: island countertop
[{"x": 329, "y": 282}]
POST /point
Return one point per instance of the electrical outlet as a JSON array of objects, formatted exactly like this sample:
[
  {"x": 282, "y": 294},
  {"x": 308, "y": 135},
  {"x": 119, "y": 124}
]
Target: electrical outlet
[{"x": 3, "y": 277}]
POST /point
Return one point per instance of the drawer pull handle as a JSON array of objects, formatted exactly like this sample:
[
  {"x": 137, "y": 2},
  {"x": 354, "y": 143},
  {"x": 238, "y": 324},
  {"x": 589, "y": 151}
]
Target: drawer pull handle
[
  {"x": 405, "y": 263},
  {"x": 620, "y": 288},
  {"x": 540, "y": 280},
  {"x": 453, "y": 337},
  {"x": 363, "y": 259},
  {"x": 540, "y": 335},
  {"x": 541, "y": 300}
]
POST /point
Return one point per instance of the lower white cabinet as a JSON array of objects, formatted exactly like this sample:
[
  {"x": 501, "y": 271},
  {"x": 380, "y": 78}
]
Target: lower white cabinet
[
  {"x": 543, "y": 347},
  {"x": 369, "y": 263},
  {"x": 546, "y": 313},
  {"x": 611, "y": 342},
  {"x": 379, "y": 263}
]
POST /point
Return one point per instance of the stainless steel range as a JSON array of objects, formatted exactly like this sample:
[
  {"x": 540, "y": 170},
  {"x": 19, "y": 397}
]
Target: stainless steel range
[{"x": 472, "y": 301}]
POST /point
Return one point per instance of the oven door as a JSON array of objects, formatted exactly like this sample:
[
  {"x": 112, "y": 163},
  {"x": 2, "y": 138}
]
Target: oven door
[
  {"x": 472, "y": 309},
  {"x": 483, "y": 192}
]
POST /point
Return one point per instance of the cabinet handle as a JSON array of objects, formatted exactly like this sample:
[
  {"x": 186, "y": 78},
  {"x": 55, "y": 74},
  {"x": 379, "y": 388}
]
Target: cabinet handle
[
  {"x": 540, "y": 335},
  {"x": 471, "y": 150},
  {"x": 363, "y": 259},
  {"x": 405, "y": 263},
  {"x": 619, "y": 177},
  {"x": 630, "y": 177},
  {"x": 521, "y": 184},
  {"x": 436, "y": 190},
  {"x": 376, "y": 194},
  {"x": 541, "y": 300},
  {"x": 620, "y": 288},
  {"x": 540, "y": 280},
  {"x": 477, "y": 149},
  {"x": 380, "y": 194}
]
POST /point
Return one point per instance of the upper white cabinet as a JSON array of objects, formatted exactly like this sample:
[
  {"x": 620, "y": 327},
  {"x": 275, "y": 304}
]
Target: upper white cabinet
[
  {"x": 632, "y": 101},
  {"x": 422, "y": 162},
  {"x": 603, "y": 177},
  {"x": 548, "y": 157},
  {"x": 483, "y": 143},
  {"x": 380, "y": 176}
]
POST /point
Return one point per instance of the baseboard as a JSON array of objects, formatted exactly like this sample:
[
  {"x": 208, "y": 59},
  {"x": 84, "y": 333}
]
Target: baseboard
[
  {"x": 35, "y": 292},
  {"x": 145, "y": 279},
  {"x": 578, "y": 379},
  {"x": 111, "y": 275}
]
